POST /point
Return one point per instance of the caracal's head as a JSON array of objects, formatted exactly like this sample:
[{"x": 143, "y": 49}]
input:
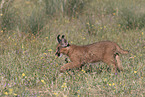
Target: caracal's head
[{"x": 62, "y": 47}]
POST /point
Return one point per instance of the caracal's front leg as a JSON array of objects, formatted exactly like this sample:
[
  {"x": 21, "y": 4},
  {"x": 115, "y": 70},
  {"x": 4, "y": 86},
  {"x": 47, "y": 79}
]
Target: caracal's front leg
[
  {"x": 119, "y": 64},
  {"x": 70, "y": 65}
]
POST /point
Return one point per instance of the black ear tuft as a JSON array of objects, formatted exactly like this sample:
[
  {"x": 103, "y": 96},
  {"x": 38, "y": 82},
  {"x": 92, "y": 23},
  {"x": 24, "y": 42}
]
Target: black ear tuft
[
  {"x": 62, "y": 36},
  {"x": 58, "y": 39},
  {"x": 63, "y": 42}
]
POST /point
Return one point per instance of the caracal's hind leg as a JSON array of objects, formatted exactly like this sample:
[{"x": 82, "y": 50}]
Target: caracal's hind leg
[{"x": 110, "y": 60}]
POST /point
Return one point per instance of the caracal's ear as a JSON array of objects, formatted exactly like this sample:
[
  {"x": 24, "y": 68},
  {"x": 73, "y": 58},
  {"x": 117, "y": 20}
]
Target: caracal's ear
[
  {"x": 58, "y": 39},
  {"x": 64, "y": 42}
]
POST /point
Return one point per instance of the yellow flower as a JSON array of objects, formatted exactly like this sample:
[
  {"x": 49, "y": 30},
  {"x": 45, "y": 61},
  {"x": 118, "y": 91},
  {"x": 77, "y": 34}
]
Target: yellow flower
[
  {"x": 114, "y": 13},
  {"x": 45, "y": 53},
  {"x": 6, "y": 93},
  {"x": 78, "y": 91},
  {"x": 109, "y": 84},
  {"x": 22, "y": 46},
  {"x": 83, "y": 71},
  {"x": 43, "y": 81},
  {"x": 10, "y": 91},
  {"x": 2, "y": 31},
  {"x": 50, "y": 50},
  {"x": 15, "y": 94},
  {"x": 55, "y": 94},
  {"x": 56, "y": 65},
  {"x": 1, "y": 14},
  {"x": 64, "y": 85},
  {"x": 105, "y": 79},
  {"x": 135, "y": 71},
  {"x": 113, "y": 84},
  {"x": 42, "y": 57},
  {"x": 23, "y": 74},
  {"x": 84, "y": 38},
  {"x": 88, "y": 23},
  {"x": 142, "y": 33}
]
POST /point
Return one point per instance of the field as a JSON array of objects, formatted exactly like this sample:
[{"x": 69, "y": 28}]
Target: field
[{"x": 28, "y": 31}]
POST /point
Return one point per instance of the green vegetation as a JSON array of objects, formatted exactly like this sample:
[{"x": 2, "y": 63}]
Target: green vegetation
[{"x": 28, "y": 30}]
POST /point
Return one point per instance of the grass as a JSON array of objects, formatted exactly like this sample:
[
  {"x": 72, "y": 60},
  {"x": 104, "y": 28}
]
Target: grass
[{"x": 29, "y": 67}]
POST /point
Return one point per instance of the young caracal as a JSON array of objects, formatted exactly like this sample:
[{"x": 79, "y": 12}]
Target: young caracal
[{"x": 105, "y": 51}]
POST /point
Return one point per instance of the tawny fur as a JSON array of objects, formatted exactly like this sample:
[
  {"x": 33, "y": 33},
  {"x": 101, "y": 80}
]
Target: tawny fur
[{"x": 105, "y": 51}]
